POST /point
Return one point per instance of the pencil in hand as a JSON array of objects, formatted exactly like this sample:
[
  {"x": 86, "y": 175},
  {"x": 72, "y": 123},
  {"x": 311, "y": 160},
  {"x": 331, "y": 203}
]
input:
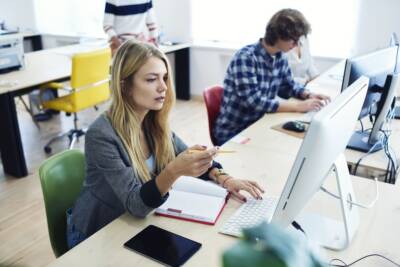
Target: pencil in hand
[{"x": 219, "y": 151}]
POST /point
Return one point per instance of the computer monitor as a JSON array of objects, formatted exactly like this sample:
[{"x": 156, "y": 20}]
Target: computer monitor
[
  {"x": 322, "y": 149},
  {"x": 394, "y": 40},
  {"x": 377, "y": 65}
]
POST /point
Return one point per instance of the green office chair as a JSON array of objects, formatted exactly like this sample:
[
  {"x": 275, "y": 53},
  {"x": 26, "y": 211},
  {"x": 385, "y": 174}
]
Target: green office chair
[{"x": 61, "y": 177}]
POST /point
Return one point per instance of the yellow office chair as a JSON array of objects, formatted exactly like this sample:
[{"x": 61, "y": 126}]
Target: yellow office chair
[{"x": 89, "y": 86}]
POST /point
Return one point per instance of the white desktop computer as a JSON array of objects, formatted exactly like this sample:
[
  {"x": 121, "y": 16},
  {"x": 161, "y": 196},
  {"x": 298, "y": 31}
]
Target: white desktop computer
[{"x": 321, "y": 150}]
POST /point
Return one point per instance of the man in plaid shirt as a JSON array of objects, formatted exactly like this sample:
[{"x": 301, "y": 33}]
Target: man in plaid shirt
[{"x": 258, "y": 73}]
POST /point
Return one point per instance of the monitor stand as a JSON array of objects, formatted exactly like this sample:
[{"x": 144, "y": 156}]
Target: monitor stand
[
  {"x": 360, "y": 141},
  {"x": 328, "y": 232},
  {"x": 397, "y": 112}
]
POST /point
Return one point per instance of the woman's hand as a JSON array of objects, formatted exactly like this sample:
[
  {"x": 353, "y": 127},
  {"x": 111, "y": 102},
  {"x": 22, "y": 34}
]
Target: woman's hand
[
  {"x": 235, "y": 185},
  {"x": 193, "y": 162}
]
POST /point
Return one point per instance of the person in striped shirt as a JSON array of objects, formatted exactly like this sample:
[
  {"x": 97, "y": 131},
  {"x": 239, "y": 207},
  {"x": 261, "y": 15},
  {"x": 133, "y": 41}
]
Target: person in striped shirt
[
  {"x": 130, "y": 19},
  {"x": 258, "y": 73}
]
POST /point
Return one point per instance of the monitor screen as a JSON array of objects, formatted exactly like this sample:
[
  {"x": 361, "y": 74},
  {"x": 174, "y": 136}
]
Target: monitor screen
[{"x": 376, "y": 66}]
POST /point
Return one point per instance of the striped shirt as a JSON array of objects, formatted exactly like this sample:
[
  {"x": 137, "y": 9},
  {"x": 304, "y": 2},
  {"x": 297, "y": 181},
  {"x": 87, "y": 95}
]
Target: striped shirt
[
  {"x": 130, "y": 19},
  {"x": 253, "y": 80}
]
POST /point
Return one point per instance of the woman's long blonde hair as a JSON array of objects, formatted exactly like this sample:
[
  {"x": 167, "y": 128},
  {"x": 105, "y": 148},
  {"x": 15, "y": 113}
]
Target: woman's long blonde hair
[{"x": 130, "y": 57}]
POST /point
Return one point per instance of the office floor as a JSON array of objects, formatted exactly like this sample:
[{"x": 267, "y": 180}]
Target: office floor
[{"x": 23, "y": 227}]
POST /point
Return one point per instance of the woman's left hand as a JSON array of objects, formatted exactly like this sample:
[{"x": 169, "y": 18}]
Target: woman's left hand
[{"x": 235, "y": 185}]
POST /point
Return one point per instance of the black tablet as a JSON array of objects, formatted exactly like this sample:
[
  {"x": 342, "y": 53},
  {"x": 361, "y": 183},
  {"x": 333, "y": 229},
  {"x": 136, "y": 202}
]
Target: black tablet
[{"x": 163, "y": 246}]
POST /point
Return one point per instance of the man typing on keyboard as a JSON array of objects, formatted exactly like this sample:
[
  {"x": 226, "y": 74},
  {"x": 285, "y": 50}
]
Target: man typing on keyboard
[{"x": 258, "y": 73}]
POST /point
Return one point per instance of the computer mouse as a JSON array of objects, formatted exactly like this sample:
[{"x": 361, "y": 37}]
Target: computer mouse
[{"x": 295, "y": 126}]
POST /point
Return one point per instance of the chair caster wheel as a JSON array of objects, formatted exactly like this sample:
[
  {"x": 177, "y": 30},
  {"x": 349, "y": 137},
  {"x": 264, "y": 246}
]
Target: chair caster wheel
[{"x": 47, "y": 149}]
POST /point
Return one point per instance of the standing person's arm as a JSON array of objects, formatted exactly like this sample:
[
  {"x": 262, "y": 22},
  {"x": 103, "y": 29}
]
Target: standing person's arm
[
  {"x": 151, "y": 24},
  {"x": 108, "y": 24}
]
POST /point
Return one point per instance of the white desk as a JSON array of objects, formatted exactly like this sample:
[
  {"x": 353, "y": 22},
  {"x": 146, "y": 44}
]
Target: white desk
[
  {"x": 268, "y": 163},
  {"x": 55, "y": 65},
  {"x": 270, "y": 169}
]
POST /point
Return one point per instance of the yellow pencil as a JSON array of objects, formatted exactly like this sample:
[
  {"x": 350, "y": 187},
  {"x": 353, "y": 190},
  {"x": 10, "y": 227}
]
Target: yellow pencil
[{"x": 218, "y": 151}]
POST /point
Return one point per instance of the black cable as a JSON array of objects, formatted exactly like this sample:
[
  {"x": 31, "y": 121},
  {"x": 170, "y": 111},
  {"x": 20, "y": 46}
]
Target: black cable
[
  {"x": 392, "y": 169},
  {"x": 390, "y": 160},
  {"x": 356, "y": 167},
  {"x": 362, "y": 125},
  {"x": 387, "y": 176},
  {"x": 339, "y": 260},
  {"x": 298, "y": 227},
  {"x": 362, "y": 258},
  {"x": 362, "y": 157}
]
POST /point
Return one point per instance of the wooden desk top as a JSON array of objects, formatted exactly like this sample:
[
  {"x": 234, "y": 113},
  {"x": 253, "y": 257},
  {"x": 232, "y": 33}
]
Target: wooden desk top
[
  {"x": 267, "y": 158},
  {"x": 270, "y": 169},
  {"x": 54, "y": 64},
  {"x": 40, "y": 67}
]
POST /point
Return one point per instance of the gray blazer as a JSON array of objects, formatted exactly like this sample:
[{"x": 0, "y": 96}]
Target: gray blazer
[{"x": 111, "y": 187}]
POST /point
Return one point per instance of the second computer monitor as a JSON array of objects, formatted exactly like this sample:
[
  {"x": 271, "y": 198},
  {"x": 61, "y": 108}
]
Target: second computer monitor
[
  {"x": 379, "y": 66},
  {"x": 376, "y": 66},
  {"x": 322, "y": 148}
]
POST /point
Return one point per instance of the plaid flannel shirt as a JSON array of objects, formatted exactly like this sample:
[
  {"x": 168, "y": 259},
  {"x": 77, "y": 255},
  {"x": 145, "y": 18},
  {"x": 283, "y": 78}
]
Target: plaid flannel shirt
[{"x": 253, "y": 80}]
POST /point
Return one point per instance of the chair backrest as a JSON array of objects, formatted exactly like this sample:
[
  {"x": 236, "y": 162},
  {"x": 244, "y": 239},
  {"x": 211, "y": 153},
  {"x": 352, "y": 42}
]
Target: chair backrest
[
  {"x": 213, "y": 97},
  {"x": 90, "y": 75},
  {"x": 61, "y": 177}
]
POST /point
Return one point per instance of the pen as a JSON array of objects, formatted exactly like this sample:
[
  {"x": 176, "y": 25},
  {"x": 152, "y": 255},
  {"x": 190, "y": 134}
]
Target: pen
[{"x": 218, "y": 151}]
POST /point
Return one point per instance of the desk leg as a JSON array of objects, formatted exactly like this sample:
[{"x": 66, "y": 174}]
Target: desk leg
[
  {"x": 182, "y": 74},
  {"x": 35, "y": 42},
  {"x": 12, "y": 153}
]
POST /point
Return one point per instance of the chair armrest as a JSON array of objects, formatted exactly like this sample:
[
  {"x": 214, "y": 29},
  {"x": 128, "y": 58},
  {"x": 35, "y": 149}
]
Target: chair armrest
[{"x": 55, "y": 86}]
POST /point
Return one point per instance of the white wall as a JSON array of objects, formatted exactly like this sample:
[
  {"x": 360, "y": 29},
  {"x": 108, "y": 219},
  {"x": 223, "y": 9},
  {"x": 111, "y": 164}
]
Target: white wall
[
  {"x": 377, "y": 20},
  {"x": 70, "y": 17},
  {"x": 175, "y": 19},
  {"x": 18, "y": 13},
  {"x": 208, "y": 65}
]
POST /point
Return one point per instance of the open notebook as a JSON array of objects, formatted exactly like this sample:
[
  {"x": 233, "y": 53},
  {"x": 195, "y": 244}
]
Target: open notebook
[{"x": 195, "y": 200}]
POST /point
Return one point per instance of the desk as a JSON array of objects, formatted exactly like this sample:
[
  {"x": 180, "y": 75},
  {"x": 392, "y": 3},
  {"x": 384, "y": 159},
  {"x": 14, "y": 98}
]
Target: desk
[
  {"x": 268, "y": 164},
  {"x": 270, "y": 169},
  {"x": 55, "y": 65}
]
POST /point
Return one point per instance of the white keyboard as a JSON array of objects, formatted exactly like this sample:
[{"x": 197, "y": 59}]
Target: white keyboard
[
  {"x": 307, "y": 117},
  {"x": 251, "y": 213}
]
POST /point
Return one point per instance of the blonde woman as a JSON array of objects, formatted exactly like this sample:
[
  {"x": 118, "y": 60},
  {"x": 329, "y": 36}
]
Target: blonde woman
[{"x": 132, "y": 156}]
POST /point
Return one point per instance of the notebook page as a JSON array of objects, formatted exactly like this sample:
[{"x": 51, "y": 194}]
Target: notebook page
[
  {"x": 196, "y": 185},
  {"x": 192, "y": 206}
]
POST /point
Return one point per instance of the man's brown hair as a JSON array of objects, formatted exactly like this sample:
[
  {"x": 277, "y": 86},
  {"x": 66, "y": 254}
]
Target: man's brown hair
[{"x": 286, "y": 24}]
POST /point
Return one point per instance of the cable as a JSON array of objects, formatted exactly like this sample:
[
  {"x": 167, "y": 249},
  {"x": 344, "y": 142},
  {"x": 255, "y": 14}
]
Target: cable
[
  {"x": 391, "y": 169},
  {"x": 362, "y": 258},
  {"x": 364, "y": 206},
  {"x": 298, "y": 227},
  {"x": 367, "y": 154},
  {"x": 362, "y": 125}
]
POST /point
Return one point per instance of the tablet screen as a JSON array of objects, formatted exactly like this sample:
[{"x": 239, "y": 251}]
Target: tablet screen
[{"x": 163, "y": 246}]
